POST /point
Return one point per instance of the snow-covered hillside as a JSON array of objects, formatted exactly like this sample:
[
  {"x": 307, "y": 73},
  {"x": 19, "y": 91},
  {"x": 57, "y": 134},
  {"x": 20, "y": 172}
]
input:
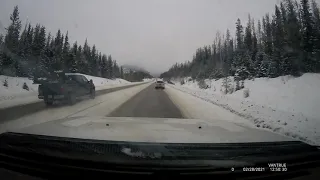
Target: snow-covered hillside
[
  {"x": 14, "y": 94},
  {"x": 285, "y": 105}
]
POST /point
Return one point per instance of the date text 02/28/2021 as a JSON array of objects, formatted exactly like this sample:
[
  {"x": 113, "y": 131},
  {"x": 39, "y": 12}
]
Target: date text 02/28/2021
[{"x": 273, "y": 167}]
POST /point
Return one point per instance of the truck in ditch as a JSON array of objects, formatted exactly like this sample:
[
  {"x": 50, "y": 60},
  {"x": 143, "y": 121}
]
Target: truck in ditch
[{"x": 60, "y": 86}]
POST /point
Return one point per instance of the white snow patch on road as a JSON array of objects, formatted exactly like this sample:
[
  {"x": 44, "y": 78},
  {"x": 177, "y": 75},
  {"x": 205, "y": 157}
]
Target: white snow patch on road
[
  {"x": 14, "y": 94},
  {"x": 284, "y": 105},
  {"x": 101, "y": 106}
]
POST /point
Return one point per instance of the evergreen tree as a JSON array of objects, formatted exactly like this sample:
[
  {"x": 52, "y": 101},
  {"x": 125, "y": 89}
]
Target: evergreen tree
[
  {"x": 11, "y": 43},
  {"x": 80, "y": 60},
  {"x": 316, "y": 20},
  {"x": 248, "y": 36},
  {"x": 29, "y": 40},
  {"x": 259, "y": 36},
  {"x": 86, "y": 58},
  {"x": 229, "y": 51},
  {"x": 94, "y": 61},
  {"x": 52, "y": 44},
  {"x": 264, "y": 66},
  {"x": 13, "y": 31},
  {"x": 121, "y": 73},
  {"x": 284, "y": 21},
  {"x": 109, "y": 65},
  {"x": 226, "y": 85},
  {"x": 100, "y": 64},
  {"x": 116, "y": 71},
  {"x": 34, "y": 47},
  {"x": 259, "y": 58},
  {"x": 239, "y": 34},
  {"x": 104, "y": 60},
  {"x": 66, "y": 45},
  {"x": 307, "y": 37},
  {"x": 22, "y": 43},
  {"x": 255, "y": 41},
  {"x": 278, "y": 44},
  {"x": 66, "y": 56},
  {"x": 39, "y": 48},
  {"x": 293, "y": 38},
  {"x": 42, "y": 39},
  {"x": 58, "y": 41},
  {"x": 74, "y": 49},
  {"x": 48, "y": 41},
  {"x": 73, "y": 55},
  {"x": 268, "y": 36}
]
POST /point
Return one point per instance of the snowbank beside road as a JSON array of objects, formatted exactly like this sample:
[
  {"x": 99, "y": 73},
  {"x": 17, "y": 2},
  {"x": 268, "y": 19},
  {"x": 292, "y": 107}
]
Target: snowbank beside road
[
  {"x": 14, "y": 88},
  {"x": 192, "y": 107},
  {"x": 285, "y": 105},
  {"x": 102, "y": 83},
  {"x": 147, "y": 79},
  {"x": 14, "y": 94}
]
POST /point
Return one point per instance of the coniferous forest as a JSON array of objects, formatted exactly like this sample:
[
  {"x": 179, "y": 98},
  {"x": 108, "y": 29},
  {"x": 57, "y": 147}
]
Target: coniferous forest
[
  {"x": 286, "y": 42},
  {"x": 31, "y": 51}
]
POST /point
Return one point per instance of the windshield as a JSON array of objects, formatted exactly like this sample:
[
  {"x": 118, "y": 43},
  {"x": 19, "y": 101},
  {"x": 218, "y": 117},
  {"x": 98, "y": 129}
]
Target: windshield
[{"x": 196, "y": 71}]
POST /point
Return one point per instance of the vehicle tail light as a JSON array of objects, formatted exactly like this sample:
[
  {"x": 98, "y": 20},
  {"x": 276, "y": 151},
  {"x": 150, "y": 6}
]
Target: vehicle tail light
[{"x": 62, "y": 89}]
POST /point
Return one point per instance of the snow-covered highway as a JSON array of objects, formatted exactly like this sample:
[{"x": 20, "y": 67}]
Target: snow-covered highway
[{"x": 141, "y": 101}]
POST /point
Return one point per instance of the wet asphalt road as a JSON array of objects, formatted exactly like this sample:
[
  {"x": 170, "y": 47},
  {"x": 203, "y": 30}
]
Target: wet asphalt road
[{"x": 148, "y": 103}]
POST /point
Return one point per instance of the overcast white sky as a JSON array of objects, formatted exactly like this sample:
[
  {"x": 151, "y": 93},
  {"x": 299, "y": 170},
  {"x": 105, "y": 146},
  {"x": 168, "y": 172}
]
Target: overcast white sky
[{"x": 153, "y": 34}]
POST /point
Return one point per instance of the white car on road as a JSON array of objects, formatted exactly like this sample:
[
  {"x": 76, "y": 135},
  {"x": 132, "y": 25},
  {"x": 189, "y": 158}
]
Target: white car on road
[{"x": 159, "y": 84}]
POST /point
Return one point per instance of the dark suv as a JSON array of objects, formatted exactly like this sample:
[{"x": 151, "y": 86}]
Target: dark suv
[{"x": 65, "y": 87}]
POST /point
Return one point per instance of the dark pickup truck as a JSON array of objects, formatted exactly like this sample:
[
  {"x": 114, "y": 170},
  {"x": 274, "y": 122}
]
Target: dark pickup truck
[{"x": 65, "y": 87}]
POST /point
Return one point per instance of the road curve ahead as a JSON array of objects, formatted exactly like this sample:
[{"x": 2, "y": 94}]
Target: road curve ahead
[{"x": 148, "y": 103}]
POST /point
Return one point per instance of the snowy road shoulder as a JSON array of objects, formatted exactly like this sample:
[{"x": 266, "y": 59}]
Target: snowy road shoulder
[
  {"x": 194, "y": 108},
  {"x": 295, "y": 125}
]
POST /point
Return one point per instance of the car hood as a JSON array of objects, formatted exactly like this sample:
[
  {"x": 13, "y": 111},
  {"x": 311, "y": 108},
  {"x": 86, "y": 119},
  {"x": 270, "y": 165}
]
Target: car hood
[{"x": 165, "y": 130}]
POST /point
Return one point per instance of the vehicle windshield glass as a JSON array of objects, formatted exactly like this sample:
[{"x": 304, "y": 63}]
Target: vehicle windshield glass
[
  {"x": 56, "y": 76},
  {"x": 161, "y": 71},
  {"x": 77, "y": 78}
]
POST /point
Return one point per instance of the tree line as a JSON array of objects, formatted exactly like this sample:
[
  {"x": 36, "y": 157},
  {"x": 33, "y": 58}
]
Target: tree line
[
  {"x": 31, "y": 51},
  {"x": 284, "y": 43}
]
